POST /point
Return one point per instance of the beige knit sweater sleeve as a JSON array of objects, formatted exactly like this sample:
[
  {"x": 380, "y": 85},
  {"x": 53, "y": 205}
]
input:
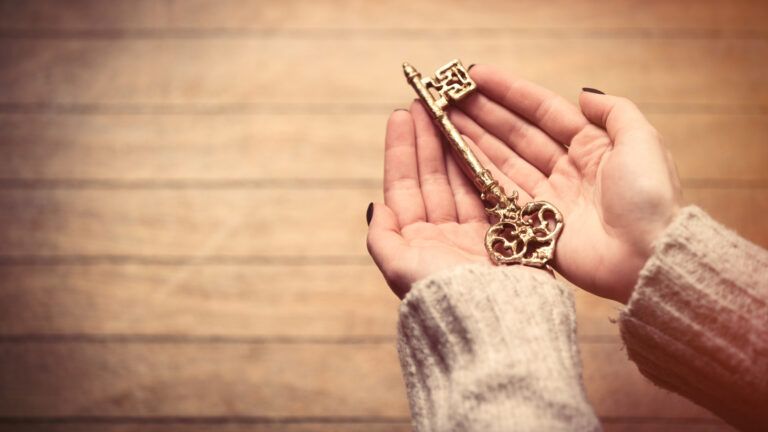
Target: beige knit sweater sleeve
[
  {"x": 492, "y": 349},
  {"x": 697, "y": 322}
]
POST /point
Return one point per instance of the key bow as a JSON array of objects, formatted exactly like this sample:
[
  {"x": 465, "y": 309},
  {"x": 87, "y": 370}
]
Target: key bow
[{"x": 522, "y": 235}]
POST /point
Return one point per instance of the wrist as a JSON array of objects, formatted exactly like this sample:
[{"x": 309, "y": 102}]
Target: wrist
[{"x": 655, "y": 232}]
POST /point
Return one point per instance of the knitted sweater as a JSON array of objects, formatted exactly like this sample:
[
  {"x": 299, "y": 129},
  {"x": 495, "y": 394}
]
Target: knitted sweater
[{"x": 494, "y": 348}]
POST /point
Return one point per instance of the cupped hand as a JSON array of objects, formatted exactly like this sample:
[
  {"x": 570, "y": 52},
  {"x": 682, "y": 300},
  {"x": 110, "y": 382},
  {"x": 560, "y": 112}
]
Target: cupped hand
[
  {"x": 431, "y": 218},
  {"x": 602, "y": 165}
]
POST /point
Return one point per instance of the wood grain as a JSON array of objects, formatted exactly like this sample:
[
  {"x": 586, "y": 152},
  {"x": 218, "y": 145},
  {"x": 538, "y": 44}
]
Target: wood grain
[
  {"x": 649, "y": 425},
  {"x": 199, "y": 223},
  {"x": 232, "y": 425},
  {"x": 263, "y": 147},
  {"x": 553, "y": 15},
  {"x": 189, "y": 222},
  {"x": 277, "y": 71},
  {"x": 201, "y": 380},
  {"x": 240, "y": 302},
  {"x": 183, "y": 184},
  {"x": 198, "y": 300},
  {"x": 282, "y": 380},
  {"x": 226, "y": 424}
]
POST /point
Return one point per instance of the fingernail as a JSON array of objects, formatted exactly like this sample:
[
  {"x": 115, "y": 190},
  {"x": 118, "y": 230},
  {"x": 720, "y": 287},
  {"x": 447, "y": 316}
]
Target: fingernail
[
  {"x": 470, "y": 67},
  {"x": 369, "y": 214},
  {"x": 591, "y": 90}
]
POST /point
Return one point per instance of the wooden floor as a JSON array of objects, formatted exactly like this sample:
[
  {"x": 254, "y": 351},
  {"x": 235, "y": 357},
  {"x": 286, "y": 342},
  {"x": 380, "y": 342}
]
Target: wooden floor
[{"x": 183, "y": 186}]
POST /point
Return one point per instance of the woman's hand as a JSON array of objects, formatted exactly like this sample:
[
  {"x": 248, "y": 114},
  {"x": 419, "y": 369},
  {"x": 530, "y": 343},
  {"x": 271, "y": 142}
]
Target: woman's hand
[
  {"x": 432, "y": 218},
  {"x": 603, "y": 166}
]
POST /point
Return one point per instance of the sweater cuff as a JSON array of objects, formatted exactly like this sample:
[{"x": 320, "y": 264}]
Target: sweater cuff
[
  {"x": 487, "y": 348},
  {"x": 697, "y": 320}
]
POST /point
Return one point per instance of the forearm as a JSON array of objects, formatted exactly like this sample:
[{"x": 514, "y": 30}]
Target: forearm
[
  {"x": 492, "y": 348},
  {"x": 697, "y": 322}
]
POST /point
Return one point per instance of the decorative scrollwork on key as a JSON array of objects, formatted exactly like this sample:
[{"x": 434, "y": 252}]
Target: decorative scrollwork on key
[
  {"x": 451, "y": 82},
  {"x": 524, "y": 235},
  {"x": 518, "y": 235}
]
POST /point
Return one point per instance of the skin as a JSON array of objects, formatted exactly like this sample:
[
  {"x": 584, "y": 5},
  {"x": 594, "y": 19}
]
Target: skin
[{"x": 601, "y": 163}]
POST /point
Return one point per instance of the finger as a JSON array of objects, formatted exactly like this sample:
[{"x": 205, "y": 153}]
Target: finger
[
  {"x": 508, "y": 184},
  {"x": 542, "y": 107},
  {"x": 528, "y": 141},
  {"x": 401, "y": 173},
  {"x": 433, "y": 179},
  {"x": 469, "y": 208},
  {"x": 384, "y": 239},
  {"x": 385, "y": 244},
  {"x": 522, "y": 173},
  {"x": 618, "y": 116}
]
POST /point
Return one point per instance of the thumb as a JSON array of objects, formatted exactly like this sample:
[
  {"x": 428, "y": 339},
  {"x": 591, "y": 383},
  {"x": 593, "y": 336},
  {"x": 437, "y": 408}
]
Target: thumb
[
  {"x": 617, "y": 115},
  {"x": 384, "y": 241}
]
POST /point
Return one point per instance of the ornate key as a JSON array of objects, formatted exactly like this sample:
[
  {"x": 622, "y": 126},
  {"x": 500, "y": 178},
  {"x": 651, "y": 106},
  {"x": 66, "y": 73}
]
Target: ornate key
[{"x": 518, "y": 235}]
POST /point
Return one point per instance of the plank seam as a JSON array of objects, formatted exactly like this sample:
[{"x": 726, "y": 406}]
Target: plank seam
[
  {"x": 182, "y": 339},
  {"x": 191, "y": 183},
  {"x": 307, "y": 420},
  {"x": 202, "y": 419},
  {"x": 662, "y": 420},
  {"x": 184, "y": 260},
  {"x": 352, "y": 108},
  {"x": 283, "y": 183},
  {"x": 385, "y": 33},
  {"x": 212, "y": 339}
]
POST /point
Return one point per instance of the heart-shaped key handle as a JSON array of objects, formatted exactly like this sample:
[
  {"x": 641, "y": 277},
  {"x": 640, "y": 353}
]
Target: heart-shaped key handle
[{"x": 526, "y": 235}]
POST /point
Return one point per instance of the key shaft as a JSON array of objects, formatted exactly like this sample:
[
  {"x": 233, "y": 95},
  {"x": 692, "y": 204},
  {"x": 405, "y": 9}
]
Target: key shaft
[
  {"x": 517, "y": 235},
  {"x": 452, "y": 89}
]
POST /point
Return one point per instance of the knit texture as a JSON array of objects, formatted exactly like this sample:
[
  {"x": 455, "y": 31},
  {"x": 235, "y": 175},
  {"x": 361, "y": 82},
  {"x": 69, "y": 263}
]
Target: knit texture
[
  {"x": 492, "y": 349},
  {"x": 697, "y": 321}
]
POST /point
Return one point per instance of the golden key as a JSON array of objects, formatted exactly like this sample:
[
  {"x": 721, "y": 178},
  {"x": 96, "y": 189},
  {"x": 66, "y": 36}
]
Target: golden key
[{"x": 518, "y": 235}]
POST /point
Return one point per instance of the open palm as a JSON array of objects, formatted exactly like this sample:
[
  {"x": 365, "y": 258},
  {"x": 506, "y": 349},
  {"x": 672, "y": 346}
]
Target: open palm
[
  {"x": 602, "y": 165},
  {"x": 431, "y": 219}
]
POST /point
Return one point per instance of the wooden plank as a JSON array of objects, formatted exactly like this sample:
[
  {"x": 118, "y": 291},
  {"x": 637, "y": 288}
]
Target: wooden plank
[
  {"x": 201, "y": 425},
  {"x": 396, "y": 14},
  {"x": 649, "y": 425},
  {"x": 260, "y": 146},
  {"x": 220, "y": 301},
  {"x": 63, "y": 379},
  {"x": 716, "y": 146},
  {"x": 734, "y": 208},
  {"x": 312, "y": 71},
  {"x": 315, "y": 380},
  {"x": 200, "y": 223},
  {"x": 606, "y": 371},
  {"x": 270, "y": 146},
  {"x": 628, "y": 425},
  {"x": 190, "y": 222}
]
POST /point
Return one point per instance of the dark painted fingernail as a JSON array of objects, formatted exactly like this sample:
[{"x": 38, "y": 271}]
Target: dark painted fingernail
[
  {"x": 470, "y": 67},
  {"x": 369, "y": 214},
  {"x": 591, "y": 90}
]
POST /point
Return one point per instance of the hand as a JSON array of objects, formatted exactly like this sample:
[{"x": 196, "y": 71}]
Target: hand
[
  {"x": 432, "y": 218},
  {"x": 603, "y": 166}
]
